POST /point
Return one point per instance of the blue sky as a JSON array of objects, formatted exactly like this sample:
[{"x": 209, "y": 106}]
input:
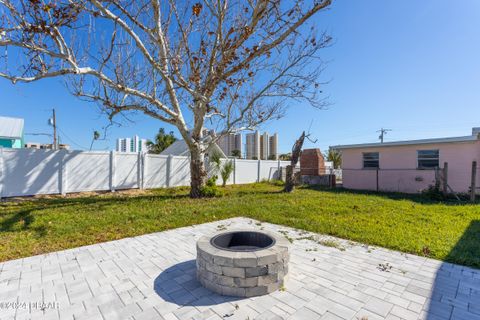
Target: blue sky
[{"x": 410, "y": 66}]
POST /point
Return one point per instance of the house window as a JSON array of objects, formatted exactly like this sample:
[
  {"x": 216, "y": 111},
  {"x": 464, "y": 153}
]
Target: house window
[
  {"x": 428, "y": 159},
  {"x": 370, "y": 160}
]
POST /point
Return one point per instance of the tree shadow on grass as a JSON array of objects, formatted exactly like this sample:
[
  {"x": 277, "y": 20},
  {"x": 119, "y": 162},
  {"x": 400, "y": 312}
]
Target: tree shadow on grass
[
  {"x": 178, "y": 284},
  {"x": 21, "y": 220},
  {"x": 60, "y": 202},
  {"x": 418, "y": 198},
  {"x": 455, "y": 292}
]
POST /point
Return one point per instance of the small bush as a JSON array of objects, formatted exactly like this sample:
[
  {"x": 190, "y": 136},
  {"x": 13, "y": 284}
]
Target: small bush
[
  {"x": 212, "y": 181},
  {"x": 433, "y": 192},
  {"x": 211, "y": 189},
  {"x": 210, "y": 192}
]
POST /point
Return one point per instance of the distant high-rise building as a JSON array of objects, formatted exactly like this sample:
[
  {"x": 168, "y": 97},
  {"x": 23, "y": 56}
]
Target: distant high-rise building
[
  {"x": 230, "y": 142},
  {"x": 261, "y": 146},
  {"x": 239, "y": 143},
  {"x": 273, "y": 147},
  {"x": 134, "y": 144},
  {"x": 253, "y": 145},
  {"x": 123, "y": 145},
  {"x": 264, "y": 146}
]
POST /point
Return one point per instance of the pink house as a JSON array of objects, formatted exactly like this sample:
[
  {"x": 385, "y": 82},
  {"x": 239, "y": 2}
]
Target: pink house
[{"x": 411, "y": 166}]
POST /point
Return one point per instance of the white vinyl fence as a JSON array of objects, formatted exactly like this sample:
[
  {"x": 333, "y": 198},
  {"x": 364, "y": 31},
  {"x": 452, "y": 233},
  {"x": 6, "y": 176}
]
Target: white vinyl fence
[{"x": 26, "y": 172}]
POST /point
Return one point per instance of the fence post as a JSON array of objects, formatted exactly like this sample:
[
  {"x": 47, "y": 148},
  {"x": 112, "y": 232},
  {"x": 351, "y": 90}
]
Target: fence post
[
  {"x": 144, "y": 168},
  {"x": 140, "y": 170},
  {"x": 2, "y": 174},
  {"x": 473, "y": 186},
  {"x": 234, "y": 170},
  {"x": 63, "y": 174},
  {"x": 258, "y": 170},
  {"x": 112, "y": 171},
  {"x": 169, "y": 169},
  {"x": 279, "y": 166},
  {"x": 445, "y": 178}
]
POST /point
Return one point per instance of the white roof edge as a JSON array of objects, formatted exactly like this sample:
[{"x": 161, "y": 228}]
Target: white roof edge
[
  {"x": 11, "y": 128},
  {"x": 407, "y": 142}
]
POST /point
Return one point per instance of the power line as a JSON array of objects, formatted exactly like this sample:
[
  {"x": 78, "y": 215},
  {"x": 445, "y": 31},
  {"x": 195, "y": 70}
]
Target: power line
[
  {"x": 70, "y": 139},
  {"x": 383, "y": 132},
  {"x": 38, "y": 134}
]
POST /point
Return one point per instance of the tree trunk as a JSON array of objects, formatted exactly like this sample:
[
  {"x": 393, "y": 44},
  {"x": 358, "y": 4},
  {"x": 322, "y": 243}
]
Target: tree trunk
[
  {"x": 198, "y": 174},
  {"x": 296, "y": 151},
  {"x": 289, "y": 179}
]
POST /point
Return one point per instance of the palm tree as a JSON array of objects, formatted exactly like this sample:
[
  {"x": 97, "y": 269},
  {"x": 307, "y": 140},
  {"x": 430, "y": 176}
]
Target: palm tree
[
  {"x": 236, "y": 153},
  {"x": 162, "y": 141},
  {"x": 96, "y": 136},
  {"x": 334, "y": 156}
]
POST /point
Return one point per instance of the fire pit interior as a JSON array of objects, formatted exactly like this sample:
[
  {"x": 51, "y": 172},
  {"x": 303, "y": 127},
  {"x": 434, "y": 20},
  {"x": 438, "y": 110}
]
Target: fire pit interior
[
  {"x": 242, "y": 241},
  {"x": 242, "y": 263}
]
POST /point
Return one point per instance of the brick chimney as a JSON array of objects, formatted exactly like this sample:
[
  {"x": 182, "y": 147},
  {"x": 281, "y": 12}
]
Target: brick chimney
[{"x": 312, "y": 163}]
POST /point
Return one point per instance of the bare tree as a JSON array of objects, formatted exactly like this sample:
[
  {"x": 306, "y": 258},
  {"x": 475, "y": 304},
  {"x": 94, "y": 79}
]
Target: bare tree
[
  {"x": 226, "y": 65},
  {"x": 290, "y": 174}
]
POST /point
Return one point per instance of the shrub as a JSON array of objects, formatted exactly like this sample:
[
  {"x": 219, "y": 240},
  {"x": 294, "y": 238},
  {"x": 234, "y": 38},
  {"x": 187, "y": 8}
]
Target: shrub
[
  {"x": 433, "y": 192},
  {"x": 212, "y": 181},
  {"x": 211, "y": 189},
  {"x": 226, "y": 172}
]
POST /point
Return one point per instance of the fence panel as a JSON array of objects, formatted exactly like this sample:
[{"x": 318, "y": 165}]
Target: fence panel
[
  {"x": 155, "y": 174},
  {"x": 87, "y": 171},
  {"x": 126, "y": 171},
  {"x": 246, "y": 171},
  {"x": 30, "y": 172},
  {"x": 269, "y": 170},
  {"x": 180, "y": 172}
]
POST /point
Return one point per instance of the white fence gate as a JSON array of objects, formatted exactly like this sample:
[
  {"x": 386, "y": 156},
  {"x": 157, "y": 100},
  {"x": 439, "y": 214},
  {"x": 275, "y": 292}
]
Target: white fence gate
[{"x": 26, "y": 172}]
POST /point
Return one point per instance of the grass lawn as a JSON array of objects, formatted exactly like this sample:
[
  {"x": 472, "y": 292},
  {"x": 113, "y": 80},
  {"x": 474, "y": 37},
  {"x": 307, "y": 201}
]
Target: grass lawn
[{"x": 446, "y": 231}]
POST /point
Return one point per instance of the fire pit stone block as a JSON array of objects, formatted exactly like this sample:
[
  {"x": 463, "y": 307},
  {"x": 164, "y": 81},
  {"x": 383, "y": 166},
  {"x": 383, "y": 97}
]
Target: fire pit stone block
[{"x": 240, "y": 271}]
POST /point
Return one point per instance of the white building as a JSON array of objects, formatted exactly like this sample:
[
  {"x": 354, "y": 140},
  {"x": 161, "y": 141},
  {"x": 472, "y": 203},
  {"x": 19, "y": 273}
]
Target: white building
[
  {"x": 134, "y": 144},
  {"x": 273, "y": 147},
  {"x": 239, "y": 143},
  {"x": 230, "y": 142},
  {"x": 253, "y": 145},
  {"x": 264, "y": 146}
]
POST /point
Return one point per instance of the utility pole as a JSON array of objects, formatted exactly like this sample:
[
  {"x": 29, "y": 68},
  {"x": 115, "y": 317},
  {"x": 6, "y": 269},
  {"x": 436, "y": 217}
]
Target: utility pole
[
  {"x": 53, "y": 123},
  {"x": 383, "y": 132}
]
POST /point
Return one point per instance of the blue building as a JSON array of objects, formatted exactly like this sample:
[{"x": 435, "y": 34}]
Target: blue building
[{"x": 11, "y": 132}]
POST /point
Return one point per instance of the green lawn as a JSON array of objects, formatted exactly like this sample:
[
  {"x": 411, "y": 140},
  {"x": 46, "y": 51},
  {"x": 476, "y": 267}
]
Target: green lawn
[{"x": 446, "y": 231}]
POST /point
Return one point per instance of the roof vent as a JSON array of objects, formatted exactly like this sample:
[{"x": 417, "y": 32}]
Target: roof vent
[{"x": 475, "y": 131}]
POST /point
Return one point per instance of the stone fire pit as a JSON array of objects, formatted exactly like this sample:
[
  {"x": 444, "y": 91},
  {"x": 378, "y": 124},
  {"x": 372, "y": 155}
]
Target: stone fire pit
[{"x": 242, "y": 263}]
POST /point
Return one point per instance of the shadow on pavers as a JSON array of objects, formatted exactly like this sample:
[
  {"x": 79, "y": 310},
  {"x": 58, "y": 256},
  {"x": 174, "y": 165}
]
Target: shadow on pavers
[
  {"x": 455, "y": 293},
  {"x": 178, "y": 284}
]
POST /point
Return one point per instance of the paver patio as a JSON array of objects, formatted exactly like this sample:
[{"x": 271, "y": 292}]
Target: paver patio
[{"x": 153, "y": 277}]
